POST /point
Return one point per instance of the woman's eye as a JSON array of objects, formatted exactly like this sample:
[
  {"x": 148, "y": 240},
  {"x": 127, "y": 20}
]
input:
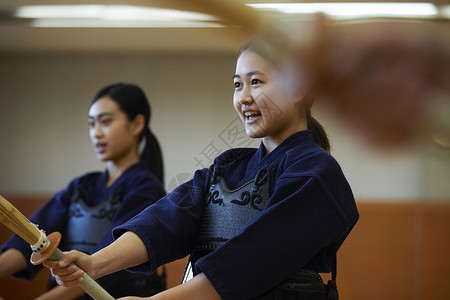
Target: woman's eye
[
  {"x": 256, "y": 81},
  {"x": 106, "y": 121},
  {"x": 237, "y": 84},
  {"x": 91, "y": 124}
]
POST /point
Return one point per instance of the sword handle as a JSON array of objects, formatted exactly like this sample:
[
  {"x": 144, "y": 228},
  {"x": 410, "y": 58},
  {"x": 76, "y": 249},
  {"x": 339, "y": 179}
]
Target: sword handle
[{"x": 88, "y": 284}]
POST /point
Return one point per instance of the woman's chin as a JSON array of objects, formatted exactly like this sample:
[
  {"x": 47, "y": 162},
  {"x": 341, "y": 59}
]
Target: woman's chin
[
  {"x": 102, "y": 158},
  {"x": 253, "y": 134}
]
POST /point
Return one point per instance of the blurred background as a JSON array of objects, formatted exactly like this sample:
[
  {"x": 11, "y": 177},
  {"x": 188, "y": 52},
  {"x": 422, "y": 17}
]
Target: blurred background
[{"x": 53, "y": 61}]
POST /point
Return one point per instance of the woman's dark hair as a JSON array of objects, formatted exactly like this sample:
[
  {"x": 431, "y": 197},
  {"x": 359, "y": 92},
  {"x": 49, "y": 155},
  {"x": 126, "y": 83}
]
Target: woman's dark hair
[
  {"x": 319, "y": 133},
  {"x": 273, "y": 48},
  {"x": 132, "y": 101}
]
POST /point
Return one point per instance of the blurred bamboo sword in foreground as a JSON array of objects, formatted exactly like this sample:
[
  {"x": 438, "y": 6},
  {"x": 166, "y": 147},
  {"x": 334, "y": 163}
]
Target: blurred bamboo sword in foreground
[
  {"x": 385, "y": 76},
  {"x": 44, "y": 247}
]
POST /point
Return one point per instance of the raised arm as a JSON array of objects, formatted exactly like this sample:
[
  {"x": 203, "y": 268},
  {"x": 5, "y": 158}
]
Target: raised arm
[{"x": 127, "y": 251}]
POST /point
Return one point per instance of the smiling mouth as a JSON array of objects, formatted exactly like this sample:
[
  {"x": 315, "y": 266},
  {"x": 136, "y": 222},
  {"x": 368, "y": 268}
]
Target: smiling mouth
[{"x": 251, "y": 115}]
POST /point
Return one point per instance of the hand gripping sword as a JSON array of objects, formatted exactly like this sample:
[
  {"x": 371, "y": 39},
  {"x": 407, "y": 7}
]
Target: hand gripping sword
[{"x": 44, "y": 247}]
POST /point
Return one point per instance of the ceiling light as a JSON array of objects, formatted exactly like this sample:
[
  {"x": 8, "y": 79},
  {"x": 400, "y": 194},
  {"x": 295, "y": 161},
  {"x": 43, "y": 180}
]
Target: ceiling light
[
  {"x": 354, "y": 10},
  {"x": 112, "y": 16}
]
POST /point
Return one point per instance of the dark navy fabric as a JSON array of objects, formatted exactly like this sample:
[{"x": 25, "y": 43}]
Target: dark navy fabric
[
  {"x": 311, "y": 210},
  {"x": 86, "y": 225},
  {"x": 135, "y": 189}
]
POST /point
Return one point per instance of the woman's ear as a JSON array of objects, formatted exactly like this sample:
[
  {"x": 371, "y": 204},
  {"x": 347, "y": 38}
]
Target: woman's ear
[{"x": 138, "y": 124}]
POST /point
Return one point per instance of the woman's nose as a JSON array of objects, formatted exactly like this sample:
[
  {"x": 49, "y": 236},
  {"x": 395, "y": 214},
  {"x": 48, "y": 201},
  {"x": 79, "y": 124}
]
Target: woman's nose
[
  {"x": 245, "y": 97},
  {"x": 96, "y": 131}
]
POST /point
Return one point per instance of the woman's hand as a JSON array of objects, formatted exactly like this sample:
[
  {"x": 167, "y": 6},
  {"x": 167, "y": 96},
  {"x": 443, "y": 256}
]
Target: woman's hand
[
  {"x": 126, "y": 252},
  {"x": 66, "y": 273},
  {"x": 383, "y": 78}
]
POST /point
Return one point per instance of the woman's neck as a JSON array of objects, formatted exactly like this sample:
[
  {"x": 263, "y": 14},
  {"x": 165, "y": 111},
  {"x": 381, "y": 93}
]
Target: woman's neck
[
  {"x": 116, "y": 168},
  {"x": 271, "y": 142}
]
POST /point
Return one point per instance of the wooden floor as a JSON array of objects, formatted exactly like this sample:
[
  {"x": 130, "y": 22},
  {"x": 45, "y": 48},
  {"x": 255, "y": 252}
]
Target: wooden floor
[{"x": 398, "y": 251}]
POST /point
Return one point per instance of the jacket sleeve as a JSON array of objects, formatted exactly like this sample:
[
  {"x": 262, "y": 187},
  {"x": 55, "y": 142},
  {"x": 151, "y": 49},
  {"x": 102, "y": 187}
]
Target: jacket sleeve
[
  {"x": 168, "y": 227},
  {"x": 141, "y": 192}
]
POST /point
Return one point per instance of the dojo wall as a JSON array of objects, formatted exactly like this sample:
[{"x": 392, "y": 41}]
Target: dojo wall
[{"x": 44, "y": 134}]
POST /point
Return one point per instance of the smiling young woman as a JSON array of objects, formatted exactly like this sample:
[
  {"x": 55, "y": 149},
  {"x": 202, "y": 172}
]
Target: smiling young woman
[{"x": 259, "y": 223}]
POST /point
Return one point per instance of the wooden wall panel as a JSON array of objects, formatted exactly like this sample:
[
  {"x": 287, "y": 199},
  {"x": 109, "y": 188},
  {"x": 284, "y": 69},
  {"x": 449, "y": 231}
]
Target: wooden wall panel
[
  {"x": 375, "y": 261},
  {"x": 397, "y": 251},
  {"x": 434, "y": 263}
]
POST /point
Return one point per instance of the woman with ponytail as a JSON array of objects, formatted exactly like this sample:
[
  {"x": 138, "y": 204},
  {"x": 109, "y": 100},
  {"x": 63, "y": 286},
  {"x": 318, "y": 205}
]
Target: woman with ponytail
[
  {"x": 259, "y": 223},
  {"x": 91, "y": 205},
  {"x": 132, "y": 101}
]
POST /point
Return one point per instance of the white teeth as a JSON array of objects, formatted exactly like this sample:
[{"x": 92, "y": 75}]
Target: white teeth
[{"x": 250, "y": 113}]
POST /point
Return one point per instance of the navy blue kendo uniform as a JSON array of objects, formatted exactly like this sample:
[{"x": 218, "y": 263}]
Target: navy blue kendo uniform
[
  {"x": 86, "y": 211},
  {"x": 299, "y": 222}
]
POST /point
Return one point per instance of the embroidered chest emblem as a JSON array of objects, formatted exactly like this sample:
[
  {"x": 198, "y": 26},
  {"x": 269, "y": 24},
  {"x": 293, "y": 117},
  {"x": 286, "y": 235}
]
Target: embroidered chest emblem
[{"x": 249, "y": 194}]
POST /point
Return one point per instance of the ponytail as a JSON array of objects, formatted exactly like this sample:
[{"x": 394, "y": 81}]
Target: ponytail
[
  {"x": 319, "y": 134},
  {"x": 151, "y": 154}
]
